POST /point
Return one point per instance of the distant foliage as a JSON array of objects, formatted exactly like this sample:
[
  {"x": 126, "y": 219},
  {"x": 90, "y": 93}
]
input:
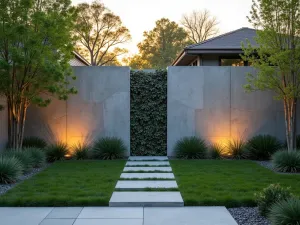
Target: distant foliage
[
  {"x": 56, "y": 151},
  {"x": 148, "y": 113},
  {"x": 269, "y": 196},
  {"x": 35, "y": 142},
  {"x": 286, "y": 212},
  {"x": 81, "y": 151},
  {"x": 191, "y": 148},
  {"x": 262, "y": 147},
  {"x": 109, "y": 148},
  {"x": 10, "y": 169},
  {"x": 216, "y": 151},
  {"x": 287, "y": 162},
  {"x": 237, "y": 149}
]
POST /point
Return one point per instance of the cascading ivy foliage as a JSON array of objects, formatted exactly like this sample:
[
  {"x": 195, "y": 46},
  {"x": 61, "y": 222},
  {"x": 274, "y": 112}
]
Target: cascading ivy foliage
[{"x": 148, "y": 113}]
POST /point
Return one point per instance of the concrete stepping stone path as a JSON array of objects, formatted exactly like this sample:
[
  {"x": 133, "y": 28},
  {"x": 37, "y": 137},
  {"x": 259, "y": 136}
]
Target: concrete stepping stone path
[{"x": 153, "y": 170}]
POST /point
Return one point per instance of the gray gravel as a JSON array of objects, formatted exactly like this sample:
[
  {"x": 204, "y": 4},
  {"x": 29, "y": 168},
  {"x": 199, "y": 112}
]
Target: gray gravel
[
  {"x": 5, "y": 187},
  {"x": 248, "y": 216},
  {"x": 267, "y": 164}
]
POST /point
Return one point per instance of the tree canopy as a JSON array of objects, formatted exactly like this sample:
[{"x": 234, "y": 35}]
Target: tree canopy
[
  {"x": 35, "y": 49},
  {"x": 200, "y": 25},
  {"x": 160, "y": 45},
  {"x": 277, "y": 55},
  {"x": 100, "y": 34}
]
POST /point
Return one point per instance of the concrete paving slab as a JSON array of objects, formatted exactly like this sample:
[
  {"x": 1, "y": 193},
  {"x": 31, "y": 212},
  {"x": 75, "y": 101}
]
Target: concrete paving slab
[
  {"x": 22, "y": 215},
  {"x": 64, "y": 213},
  {"x": 147, "y": 163},
  {"x": 148, "y": 158},
  {"x": 151, "y": 199},
  {"x": 148, "y": 169},
  {"x": 188, "y": 216},
  {"x": 111, "y": 213},
  {"x": 109, "y": 222},
  {"x": 147, "y": 175},
  {"x": 57, "y": 222},
  {"x": 142, "y": 184}
]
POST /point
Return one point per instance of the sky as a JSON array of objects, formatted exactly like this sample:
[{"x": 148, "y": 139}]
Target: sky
[{"x": 140, "y": 15}]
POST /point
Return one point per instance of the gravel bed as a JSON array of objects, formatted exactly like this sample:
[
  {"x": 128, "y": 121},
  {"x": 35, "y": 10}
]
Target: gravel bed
[
  {"x": 5, "y": 187},
  {"x": 248, "y": 216},
  {"x": 267, "y": 164}
]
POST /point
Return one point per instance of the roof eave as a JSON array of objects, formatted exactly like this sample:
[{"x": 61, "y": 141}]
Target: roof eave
[{"x": 179, "y": 57}]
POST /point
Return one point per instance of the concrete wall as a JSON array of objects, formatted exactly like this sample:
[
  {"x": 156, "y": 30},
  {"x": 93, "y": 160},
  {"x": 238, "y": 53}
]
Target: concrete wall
[
  {"x": 101, "y": 108},
  {"x": 210, "y": 102}
]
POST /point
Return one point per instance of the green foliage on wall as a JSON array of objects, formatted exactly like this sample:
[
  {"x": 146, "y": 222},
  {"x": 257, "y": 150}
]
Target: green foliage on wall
[{"x": 148, "y": 114}]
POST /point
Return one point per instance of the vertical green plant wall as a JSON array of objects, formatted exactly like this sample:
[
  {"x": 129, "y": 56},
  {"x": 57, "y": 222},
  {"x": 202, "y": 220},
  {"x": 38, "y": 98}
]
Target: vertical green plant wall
[{"x": 148, "y": 113}]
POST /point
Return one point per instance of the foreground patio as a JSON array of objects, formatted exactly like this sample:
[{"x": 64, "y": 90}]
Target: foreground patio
[{"x": 116, "y": 216}]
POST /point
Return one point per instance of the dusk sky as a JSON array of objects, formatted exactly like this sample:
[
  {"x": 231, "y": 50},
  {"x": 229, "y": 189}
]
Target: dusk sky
[{"x": 140, "y": 15}]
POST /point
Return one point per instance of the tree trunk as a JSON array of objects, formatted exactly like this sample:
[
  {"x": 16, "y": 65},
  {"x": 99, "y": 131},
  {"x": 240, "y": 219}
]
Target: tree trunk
[
  {"x": 290, "y": 122},
  {"x": 16, "y": 123}
]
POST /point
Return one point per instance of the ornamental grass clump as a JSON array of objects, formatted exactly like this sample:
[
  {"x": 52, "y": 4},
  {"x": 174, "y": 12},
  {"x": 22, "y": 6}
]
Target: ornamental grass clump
[
  {"x": 81, "y": 151},
  {"x": 191, "y": 148},
  {"x": 216, "y": 151},
  {"x": 56, "y": 151},
  {"x": 286, "y": 212},
  {"x": 287, "y": 161},
  {"x": 10, "y": 169},
  {"x": 269, "y": 196},
  {"x": 109, "y": 148},
  {"x": 24, "y": 157},
  {"x": 38, "y": 156},
  {"x": 262, "y": 147},
  {"x": 34, "y": 142},
  {"x": 237, "y": 149}
]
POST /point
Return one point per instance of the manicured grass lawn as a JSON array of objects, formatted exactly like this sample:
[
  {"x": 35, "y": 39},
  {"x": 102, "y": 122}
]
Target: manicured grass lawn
[
  {"x": 229, "y": 183},
  {"x": 68, "y": 183}
]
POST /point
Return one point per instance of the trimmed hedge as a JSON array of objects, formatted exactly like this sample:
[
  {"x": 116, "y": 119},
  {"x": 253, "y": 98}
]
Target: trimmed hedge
[{"x": 148, "y": 113}]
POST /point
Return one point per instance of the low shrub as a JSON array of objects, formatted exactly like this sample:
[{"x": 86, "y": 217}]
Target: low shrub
[
  {"x": 38, "y": 157},
  {"x": 109, "y": 148},
  {"x": 35, "y": 142},
  {"x": 237, "y": 149},
  {"x": 81, "y": 151},
  {"x": 24, "y": 157},
  {"x": 287, "y": 162},
  {"x": 56, "y": 151},
  {"x": 216, "y": 151},
  {"x": 262, "y": 147},
  {"x": 269, "y": 196},
  {"x": 286, "y": 212},
  {"x": 191, "y": 148},
  {"x": 10, "y": 169}
]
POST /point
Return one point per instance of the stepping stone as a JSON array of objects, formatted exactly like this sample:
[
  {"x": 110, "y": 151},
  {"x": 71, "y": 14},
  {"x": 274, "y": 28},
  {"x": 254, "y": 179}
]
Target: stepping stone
[
  {"x": 147, "y": 169},
  {"x": 138, "y": 185},
  {"x": 210, "y": 215},
  {"x": 147, "y": 175},
  {"x": 150, "y": 199},
  {"x": 147, "y": 163},
  {"x": 148, "y": 158}
]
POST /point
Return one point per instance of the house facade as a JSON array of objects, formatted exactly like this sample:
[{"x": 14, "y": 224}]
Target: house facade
[
  {"x": 78, "y": 60},
  {"x": 223, "y": 50}
]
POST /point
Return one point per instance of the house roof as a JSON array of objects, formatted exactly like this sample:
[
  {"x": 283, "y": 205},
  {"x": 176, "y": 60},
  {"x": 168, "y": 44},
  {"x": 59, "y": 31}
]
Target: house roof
[
  {"x": 80, "y": 58},
  {"x": 226, "y": 43}
]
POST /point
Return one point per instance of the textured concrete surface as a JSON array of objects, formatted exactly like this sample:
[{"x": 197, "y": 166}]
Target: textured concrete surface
[
  {"x": 188, "y": 216},
  {"x": 148, "y": 158},
  {"x": 148, "y": 169},
  {"x": 101, "y": 108},
  {"x": 142, "y": 184},
  {"x": 153, "y": 199},
  {"x": 147, "y": 175},
  {"x": 147, "y": 163},
  {"x": 211, "y": 103},
  {"x": 64, "y": 213},
  {"x": 120, "y": 215}
]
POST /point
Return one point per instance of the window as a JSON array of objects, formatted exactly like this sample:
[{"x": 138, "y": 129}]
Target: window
[
  {"x": 232, "y": 62},
  {"x": 194, "y": 63}
]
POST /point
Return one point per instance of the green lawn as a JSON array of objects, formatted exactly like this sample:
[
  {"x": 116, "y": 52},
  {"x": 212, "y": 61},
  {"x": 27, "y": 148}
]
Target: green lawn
[
  {"x": 68, "y": 183},
  {"x": 229, "y": 183}
]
